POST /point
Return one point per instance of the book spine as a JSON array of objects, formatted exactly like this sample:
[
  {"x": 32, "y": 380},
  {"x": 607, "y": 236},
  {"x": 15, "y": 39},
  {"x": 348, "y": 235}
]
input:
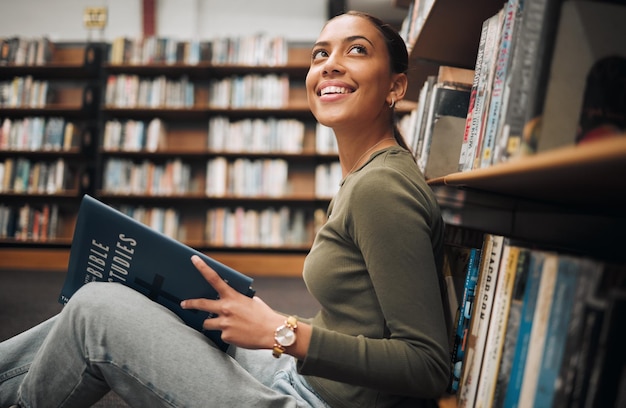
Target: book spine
[
  {"x": 556, "y": 333},
  {"x": 526, "y": 58},
  {"x": 463, "y": 318},
  {"x": 535, "y": 267},
  {"x": 590, "y": 273},
  {"x": 480, "y": 321},
  {"x": 466, "y": 144},
  {"x": 483, "y": 91},
  {"x": 501, "y": 69},
  {"x": 539, "y": 330},
  {"x": 497, "y": 326}
]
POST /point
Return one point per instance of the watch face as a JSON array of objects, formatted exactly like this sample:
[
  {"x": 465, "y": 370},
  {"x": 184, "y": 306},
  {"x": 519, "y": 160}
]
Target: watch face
[{"x": 285, "y": 336}]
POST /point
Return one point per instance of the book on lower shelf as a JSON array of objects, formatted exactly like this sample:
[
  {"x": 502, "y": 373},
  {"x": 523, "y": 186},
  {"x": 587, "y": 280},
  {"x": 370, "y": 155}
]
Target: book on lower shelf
[{"x": 109, "y": 246}]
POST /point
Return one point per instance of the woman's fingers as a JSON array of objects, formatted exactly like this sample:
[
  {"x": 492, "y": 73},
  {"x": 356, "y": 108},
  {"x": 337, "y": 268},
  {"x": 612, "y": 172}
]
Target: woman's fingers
[
  {"x": 210, "y": 275},
  {"x": 221, "y": 287}
]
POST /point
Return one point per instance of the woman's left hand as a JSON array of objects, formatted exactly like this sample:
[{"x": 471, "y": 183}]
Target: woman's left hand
[{"x": 244, "y": 322}]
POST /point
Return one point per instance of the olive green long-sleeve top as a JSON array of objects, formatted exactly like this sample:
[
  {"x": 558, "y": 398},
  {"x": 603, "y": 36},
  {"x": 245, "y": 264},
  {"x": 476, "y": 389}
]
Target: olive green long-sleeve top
[{"x": 380, "y": 338}]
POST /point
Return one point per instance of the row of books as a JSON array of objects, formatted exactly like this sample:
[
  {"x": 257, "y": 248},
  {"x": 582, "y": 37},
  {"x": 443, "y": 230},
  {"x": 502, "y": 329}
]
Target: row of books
[
  {"x": 533, "y": 327},
  {"x": 328, "y": 177},
  {"x": 163, "y": 220},
  {"x": 243, "y": 177},
  {"x": 233, "y": 226},
  {"x": 134, "y": 135},
  {"x": 28, "y": 223},
  {"x": 25, "y": 51},
  {"x": 482, "y": 146},
  {"x": 325, "y": 141},
  {"x": 517, "y": 102},
  {"x": 253, "y": 50},
  {"x": 23, "y": 92},
  {"x": 21, "y": 175},
  {"x": 123, "y": 176},
  {"x": 440, "y": 114},
  {"x": 414, "y": 21},
  {"x": 132, "y": 91},
  {"x": 256, "y": 135},
  {"x": 525, "y": 96},
  {"x": 36, "y": 134},
  {"x": 250, "y": 91},
  {"x": 269, "y": 227}
]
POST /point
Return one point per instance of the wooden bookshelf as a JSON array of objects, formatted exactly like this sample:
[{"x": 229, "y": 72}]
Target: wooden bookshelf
[
  {"x": 558, "y": 176},
  {"x": 450, "y": 37},
  {"x": 568, "y": 200},
  {"x": 71, "y": 75},
  {"x": 186, "y": 131}
]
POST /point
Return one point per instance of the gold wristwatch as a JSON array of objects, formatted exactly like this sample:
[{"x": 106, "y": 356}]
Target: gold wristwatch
[{"x": 284, "y": 336}]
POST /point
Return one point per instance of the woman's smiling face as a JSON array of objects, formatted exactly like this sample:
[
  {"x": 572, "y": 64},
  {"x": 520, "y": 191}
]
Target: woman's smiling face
[{"x": 350, "y": 76}]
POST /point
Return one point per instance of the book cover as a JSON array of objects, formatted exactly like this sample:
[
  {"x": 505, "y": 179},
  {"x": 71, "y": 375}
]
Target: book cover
[
  {"x": 497, "y": 326},
  {"x": 479, "y": 323},
  {"x": 109, "y": 246}
]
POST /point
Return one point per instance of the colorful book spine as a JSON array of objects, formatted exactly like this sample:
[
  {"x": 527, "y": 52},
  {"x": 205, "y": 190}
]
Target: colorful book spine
[
  {"x": 590, "y": 274},
  {"x": 534, "y": 42},
  {"x": 512, "y": 326},
  {"x": 535, "y": 267},
  {"x": 512, "y": 10},
  {"x": 483, "y": 93},
  {"x": 556, "y": 334},
  {"x": 463, "y": 318},
  {"x": 466, "y": 144},
  {"x": 480, "y": 319},
  {"x": 539, "y": 330},
  {"x": 497, "y": 326}
]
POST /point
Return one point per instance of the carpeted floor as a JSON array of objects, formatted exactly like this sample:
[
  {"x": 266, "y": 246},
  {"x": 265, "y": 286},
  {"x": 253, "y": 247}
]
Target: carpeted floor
[{"x": 29, "y": 297}]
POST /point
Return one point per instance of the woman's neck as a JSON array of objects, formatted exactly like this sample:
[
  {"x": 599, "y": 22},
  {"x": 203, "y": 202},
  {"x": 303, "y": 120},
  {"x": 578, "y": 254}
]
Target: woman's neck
[{"x": 355, "y": 150}]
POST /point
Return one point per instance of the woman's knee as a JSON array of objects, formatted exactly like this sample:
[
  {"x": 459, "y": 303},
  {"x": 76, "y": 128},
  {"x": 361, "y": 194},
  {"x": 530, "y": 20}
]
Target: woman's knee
[{"x": 101, "y": 300}]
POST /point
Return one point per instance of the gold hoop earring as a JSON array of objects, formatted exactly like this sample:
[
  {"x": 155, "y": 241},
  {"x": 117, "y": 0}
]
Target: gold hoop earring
[{"x": 393, "y": 103}]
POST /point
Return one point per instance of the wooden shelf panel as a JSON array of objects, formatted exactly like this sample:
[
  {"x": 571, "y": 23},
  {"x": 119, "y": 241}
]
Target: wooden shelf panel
[
  {"x": 250, "y": 263},
  {"x": 204, "y": 112},
  {"x": 588, "y": 175}
]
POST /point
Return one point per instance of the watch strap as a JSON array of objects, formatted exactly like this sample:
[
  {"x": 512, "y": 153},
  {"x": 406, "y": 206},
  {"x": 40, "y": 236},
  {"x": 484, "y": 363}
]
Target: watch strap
[{"x": 279, "y": 349}]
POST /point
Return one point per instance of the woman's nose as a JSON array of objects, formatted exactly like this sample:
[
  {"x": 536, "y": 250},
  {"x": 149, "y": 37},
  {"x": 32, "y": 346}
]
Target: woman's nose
[{"x": 332, "y": 65}]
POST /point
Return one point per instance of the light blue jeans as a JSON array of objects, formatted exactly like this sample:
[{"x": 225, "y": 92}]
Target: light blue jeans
[{"x": 111, "y": 337}]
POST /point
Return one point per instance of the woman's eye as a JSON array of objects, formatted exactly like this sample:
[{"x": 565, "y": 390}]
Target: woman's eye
[
  {"x": 358, "y": 49},
  {"x": 318, "y": 54}
]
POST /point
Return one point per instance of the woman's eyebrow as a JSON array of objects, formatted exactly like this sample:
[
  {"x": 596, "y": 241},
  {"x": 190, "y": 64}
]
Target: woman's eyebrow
[
  {"x": 358, "y": 37},
  {"x": 349, "y": 39}
]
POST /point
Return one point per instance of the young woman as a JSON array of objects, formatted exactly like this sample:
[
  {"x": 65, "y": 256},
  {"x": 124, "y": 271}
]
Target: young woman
[{"x": 380, "y": 338}]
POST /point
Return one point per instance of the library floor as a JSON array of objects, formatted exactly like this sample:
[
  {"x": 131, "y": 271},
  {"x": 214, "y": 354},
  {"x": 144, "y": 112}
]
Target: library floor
[{"x": 29, "y": 297}]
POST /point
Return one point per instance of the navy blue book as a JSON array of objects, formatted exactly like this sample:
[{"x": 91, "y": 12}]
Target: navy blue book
[{"x": 109, "y": 246}]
